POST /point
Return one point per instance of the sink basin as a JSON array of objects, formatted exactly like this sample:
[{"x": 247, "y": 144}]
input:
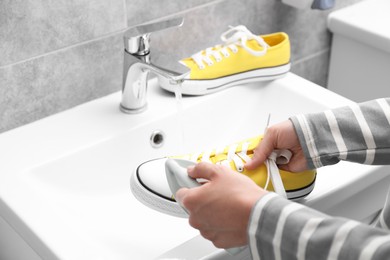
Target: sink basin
[{"x": 64, "y": 180}]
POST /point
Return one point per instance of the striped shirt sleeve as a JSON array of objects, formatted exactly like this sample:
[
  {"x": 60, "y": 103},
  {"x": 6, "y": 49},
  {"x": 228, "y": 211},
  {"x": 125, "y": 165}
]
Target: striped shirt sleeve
[
  {"x": 358, "y": 133},
  {"x": 281, "y": 229}
]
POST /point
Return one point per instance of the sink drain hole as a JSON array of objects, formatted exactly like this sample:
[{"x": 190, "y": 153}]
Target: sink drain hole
[{"x": 157, "y": 139}]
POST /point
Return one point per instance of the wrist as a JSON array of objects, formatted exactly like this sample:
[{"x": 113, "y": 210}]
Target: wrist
[{"x": 251, "y": 200}]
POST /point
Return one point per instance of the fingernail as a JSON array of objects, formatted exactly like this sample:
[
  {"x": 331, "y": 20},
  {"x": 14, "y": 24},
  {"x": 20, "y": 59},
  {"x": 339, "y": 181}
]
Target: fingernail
[
  {"x": 248, "y": 162},
  {"x": 190, "y": 169},
  {"x": 179, "y": 196}
]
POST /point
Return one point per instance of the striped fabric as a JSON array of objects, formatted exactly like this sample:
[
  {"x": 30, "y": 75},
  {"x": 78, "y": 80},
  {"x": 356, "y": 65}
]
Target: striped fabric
[{"x": 281, "y": 229}]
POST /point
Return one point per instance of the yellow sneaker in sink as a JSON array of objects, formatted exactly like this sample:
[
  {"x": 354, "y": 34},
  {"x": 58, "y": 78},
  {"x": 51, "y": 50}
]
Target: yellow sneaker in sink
[
  {"x": 150, "y": 185},
  {"x": 242, "y": 58}
]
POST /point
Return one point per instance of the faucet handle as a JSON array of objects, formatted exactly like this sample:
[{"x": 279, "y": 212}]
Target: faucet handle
[{"x": 137, "y": 38}]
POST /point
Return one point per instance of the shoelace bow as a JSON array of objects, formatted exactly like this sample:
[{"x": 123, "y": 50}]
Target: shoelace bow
[
  {"x": 240, "y": 158},
  {"x": 235, "y": 36}
]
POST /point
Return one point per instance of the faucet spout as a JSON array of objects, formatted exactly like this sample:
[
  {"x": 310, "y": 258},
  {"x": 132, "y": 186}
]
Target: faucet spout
[{"x": 135, "y": 82}]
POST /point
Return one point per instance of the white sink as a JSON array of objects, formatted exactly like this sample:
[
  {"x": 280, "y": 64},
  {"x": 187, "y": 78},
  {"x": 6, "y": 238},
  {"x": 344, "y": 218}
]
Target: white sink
[{"x": 64, "y": 180}]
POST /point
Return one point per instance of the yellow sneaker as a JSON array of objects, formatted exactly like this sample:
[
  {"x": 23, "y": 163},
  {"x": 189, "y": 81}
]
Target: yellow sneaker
[
  {"x": 242, "y": 58},
  {"x": 150, "y": 186}
]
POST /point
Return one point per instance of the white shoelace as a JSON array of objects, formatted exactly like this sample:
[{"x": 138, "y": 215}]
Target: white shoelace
[
  {"x": 239, "y": 159},
  {"x": 235, "y": 36},
  {"x": 277, "y": 157}
]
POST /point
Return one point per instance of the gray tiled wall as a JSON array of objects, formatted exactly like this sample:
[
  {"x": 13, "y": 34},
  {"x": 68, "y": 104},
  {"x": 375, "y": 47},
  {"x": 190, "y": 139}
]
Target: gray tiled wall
[{"x": 57, "y": 54}]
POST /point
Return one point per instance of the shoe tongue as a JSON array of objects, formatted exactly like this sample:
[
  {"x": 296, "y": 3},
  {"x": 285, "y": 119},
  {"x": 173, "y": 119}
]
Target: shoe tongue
[
  {"x": 219, "y": 157},
  {"x": 254, "y": 45},
  {"x": 253, "y": 142}
]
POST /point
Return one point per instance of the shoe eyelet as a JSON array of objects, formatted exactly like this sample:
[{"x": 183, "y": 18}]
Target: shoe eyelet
[{"x": 202, "y": 67}]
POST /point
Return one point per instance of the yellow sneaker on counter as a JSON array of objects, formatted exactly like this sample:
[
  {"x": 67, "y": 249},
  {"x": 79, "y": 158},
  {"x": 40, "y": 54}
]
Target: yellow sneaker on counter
[
  {"x": 242, "y": 58},
  {"x": 150, "y": 186}
]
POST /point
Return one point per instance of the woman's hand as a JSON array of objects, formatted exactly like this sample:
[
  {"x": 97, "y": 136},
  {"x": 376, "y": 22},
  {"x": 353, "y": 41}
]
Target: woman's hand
[
  {"x": 220, "y": 208},
  {"x": 280, "y": 136}
]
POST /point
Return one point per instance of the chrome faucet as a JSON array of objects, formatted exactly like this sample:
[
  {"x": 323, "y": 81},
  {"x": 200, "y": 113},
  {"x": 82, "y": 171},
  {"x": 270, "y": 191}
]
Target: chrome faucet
[{"x": 137, "y": 65}]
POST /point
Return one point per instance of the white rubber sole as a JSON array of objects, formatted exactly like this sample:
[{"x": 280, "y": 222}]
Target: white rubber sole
[
  {"x": 203, "y": 87},
  {"x": 298, "y": 194},
  {"x": 153, "y": 200},
  {"x": 168, "y": 206}
]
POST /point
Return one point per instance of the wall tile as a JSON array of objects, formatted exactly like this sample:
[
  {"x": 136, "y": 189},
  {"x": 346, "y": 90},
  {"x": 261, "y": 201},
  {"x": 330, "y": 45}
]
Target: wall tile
[
  {"x": 141, "y": 11},
  {"x": 307, "y": 28},
  {"x": 314, "y": 68},
  {"x": 52, "y": 83},
  {"x": 32, "y": 28}
]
